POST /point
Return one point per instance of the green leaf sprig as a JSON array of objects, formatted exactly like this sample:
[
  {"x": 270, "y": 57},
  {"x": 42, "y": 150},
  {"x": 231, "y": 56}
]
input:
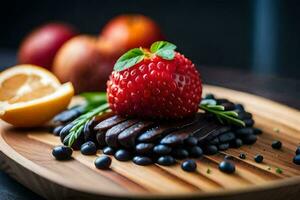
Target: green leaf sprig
[
  {"x": 79, "y": 123},
  {"x": 229, "y": 117},
  {"x": 163, "y": 49}
]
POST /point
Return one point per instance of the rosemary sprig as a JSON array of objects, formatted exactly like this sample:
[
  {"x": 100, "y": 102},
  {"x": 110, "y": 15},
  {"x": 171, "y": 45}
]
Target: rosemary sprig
[
  {"x": 79, "y": 123},
  {"x": 229, "y": 117}
]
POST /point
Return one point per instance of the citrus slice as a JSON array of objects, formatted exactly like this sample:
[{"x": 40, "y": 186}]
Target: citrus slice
[{"x": 31, "y": 95}]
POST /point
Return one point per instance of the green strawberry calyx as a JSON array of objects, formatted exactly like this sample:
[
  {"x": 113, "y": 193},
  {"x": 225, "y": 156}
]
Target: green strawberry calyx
[{"x": 163, "y": 49}]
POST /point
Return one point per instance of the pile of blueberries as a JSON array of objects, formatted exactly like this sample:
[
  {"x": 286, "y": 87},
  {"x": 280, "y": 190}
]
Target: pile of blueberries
[{"x": 148, "y": 142}]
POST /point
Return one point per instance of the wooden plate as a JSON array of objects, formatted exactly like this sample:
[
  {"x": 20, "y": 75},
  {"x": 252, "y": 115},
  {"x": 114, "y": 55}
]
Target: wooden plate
[{"x": 26, "y": 156}]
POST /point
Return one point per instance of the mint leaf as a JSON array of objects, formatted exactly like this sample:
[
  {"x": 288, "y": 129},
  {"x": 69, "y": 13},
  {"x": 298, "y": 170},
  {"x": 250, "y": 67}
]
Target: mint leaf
[
  {"x": 94, "y": 97},
  {"x": 163, "y": 49},
  {"x": 129, "y": 59}
]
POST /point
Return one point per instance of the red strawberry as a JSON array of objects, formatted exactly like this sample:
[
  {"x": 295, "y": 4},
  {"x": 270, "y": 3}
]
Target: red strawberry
[{"x": 159, "y": 83}]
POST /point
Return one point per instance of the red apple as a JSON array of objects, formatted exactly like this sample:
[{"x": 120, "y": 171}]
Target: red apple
[
  {"x": 41, "y": 45},
  {"x": 80, "y": 61},
  {"x": 129, "y": 31}
]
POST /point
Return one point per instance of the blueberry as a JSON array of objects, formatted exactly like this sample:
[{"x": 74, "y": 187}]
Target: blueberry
[
  {"x": 298, "y": 150},
  {"x": 244, "y": 115},
  {"x": 189, "y": 166},
  {"x": 242, "y": 156},
  {"x": 191, "y": 141},
  {"x": 243, "y": 132},
  {"x": 62, "y": 152},
  {"x": 209, "y": 96},
  {"x": 180, "y": 153},
  {"x": 144, "y": 148},
  {"x": 239, "y": 107},
  {"x": 108, "y": 151},
  {"x": 227, "y": 167},
  {"x": 103, "y": 162},
  {"x": 211, "y": 150},
  {"x": 236, "y": 143},
  {"x": 257, "y": 131},
  {"x": 166, "y": 160},
  {"x": 214, "y": 141},
  {"x": 65, "y": 131},
  {"x": 162, "y": 149},
  {"x": 123, "y": 155},
  {"x": 228, "y": 157},
  {"x": 88, "y": 148},
  {"x": 249, "y": 139},
  {"x": 195, "y": 152},
  {"x": 296, "y": 159},
  {"x": 258, "y": 158},
  {"x": 56, "y": 130},
  {"x": 249, "y": 122},
  {"x": 276, "y": 144},
  {"x": 223, "y": 147},
  {"x": 226, "y": 137},
  {"x": 228, "y": 106},
  {"x": 142, "y": 160}
]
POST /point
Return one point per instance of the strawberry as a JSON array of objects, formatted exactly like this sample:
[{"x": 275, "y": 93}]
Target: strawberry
[{"x": 156, "y": 83}]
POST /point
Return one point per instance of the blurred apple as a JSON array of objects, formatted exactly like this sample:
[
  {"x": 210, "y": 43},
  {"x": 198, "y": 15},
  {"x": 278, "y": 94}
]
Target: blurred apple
[
  {"x": 80, "y": 61},
  {"x": 130, "y": 31},
  {"x": 41, "y": 45}
]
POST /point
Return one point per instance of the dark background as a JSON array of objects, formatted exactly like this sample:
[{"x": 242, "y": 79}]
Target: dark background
[{"x": 257, "y": 35}]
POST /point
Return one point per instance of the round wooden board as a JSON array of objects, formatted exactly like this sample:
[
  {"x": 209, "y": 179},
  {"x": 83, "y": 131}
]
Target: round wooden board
[{"x": 26, "y": 156}]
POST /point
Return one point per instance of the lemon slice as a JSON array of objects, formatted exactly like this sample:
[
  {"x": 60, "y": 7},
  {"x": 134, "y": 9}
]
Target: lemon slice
[{"x": 31, "y": 95}]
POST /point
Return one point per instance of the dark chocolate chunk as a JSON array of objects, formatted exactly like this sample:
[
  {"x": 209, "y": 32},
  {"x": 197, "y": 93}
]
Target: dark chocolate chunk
[
  {"x": 109, "y": 122},
  {"x": 127, "y": 137},
  {"x": 111, "y": 136}
]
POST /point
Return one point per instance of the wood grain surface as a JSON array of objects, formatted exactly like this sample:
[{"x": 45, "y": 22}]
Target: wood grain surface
[{"x": 26, "y": 156}]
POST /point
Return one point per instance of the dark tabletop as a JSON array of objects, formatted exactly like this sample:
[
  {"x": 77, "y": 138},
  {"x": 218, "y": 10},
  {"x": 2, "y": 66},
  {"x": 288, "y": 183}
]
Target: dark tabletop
[{"x": 283, "y": 90}]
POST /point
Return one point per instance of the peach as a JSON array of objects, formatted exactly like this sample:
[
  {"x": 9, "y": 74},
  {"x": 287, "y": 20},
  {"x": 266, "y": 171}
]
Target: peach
[
  {"x": 80, "y": 61},
  {"x": 41, "y": 45},
  {"x": 131, "y": 31}
]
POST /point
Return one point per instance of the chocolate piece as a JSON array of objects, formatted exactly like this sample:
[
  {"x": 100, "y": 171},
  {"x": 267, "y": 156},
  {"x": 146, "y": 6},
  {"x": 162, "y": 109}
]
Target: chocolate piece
[
  {"x": 127, "y": 137},
  {"x": 111, "y": 136},
  {"x": 161, "y": 130},
  {"x": 108, "y": 123}
]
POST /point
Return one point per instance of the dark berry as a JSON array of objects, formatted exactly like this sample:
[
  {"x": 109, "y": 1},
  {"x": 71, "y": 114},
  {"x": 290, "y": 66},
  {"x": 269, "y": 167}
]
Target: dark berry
[
  {"x": 88, "y": 148},
  {"x": 103, "y": 162},
  {"x": 211, "y": 150},
  {"x": 276, "y": 144},
  {"x": 195, "y": 152},
  {"x": 144, "y": 148},
  {"x": 239, "y": 107},
  {"x": 296, "y": 159},
  {"x": 123, "y": 155},
  {"x": 298, "y": 150},
  {"x": 62, "y": 152},
  {"x": 258, "y": 158},
  {"x": 180, "y": 153},
  {"x": 237, "y": 143},
  {"x": 228, "y": 157},
  {"x": 56, "y": 130},
  {"x": 108, "y": 151},
  {"x": 249, "y": 139},
  {"x": 209, "y": 96},
  {"x": 227, "y": 167},
  {"x": 242, "y": 156},
  {"x": 191, "y": 141},
  {"x": 142, "y": 160},
  {"x": 162, "y": 149},
  {"x": 166, "y": 160},
  {"x": 189, "y": 166},
  {"x": 223, "y": 147},
  {"x": 257, "y": 131}
]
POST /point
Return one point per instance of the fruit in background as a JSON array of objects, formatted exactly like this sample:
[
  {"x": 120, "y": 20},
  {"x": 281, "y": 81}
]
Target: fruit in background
[
  {"x": 41, "y": 45},
  {"x": 31, "y": 95},
  {"x": 155, "y": 83},
  {"x": 130, "y": 31},
  {"x": 80, "y": 62}
]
